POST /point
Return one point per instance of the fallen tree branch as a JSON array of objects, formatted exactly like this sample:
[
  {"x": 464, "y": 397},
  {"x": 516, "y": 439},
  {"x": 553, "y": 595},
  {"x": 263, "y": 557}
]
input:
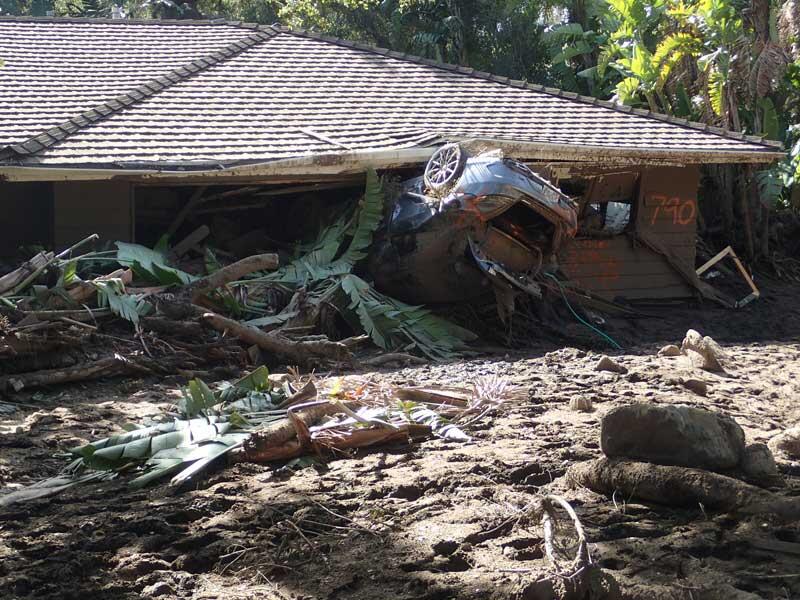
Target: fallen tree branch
[
  {"x": 396, "y": 357},
  {"x": 233, "y": 272},
  {"x": 114, "y": 365},
  {"x": 296, "y": 352}
]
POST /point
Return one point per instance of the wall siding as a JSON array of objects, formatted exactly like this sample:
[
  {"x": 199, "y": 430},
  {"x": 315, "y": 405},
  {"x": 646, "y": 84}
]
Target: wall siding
[
  {"x": 86, "y": 207},
  {"x": 620, "y": 266},
  {"x": 27, "y": 215}
]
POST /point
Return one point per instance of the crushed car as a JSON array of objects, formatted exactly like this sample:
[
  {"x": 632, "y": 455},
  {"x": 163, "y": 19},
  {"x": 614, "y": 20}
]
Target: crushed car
[{"x": 469, "y": 226}]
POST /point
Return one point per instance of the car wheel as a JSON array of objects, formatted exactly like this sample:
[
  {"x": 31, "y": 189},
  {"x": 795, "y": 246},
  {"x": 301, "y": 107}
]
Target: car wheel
[{"x": 445, "y": 166}]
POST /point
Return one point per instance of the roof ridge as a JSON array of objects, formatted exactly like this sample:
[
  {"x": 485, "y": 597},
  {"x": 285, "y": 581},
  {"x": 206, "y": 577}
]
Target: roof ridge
[
  {"x": 107, "y": 20},
  {"x": 54, "y": 135},
  {"x": 471, "y": 72}
]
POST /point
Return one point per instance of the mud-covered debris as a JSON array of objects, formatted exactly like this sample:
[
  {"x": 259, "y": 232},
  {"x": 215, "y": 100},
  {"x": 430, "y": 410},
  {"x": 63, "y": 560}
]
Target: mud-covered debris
[
  {"x": 609, "y": 364},
  {"x": 257, "y": 419},
  {"x": 672, "y": 435},
  {"x": 712, "y": 356}
]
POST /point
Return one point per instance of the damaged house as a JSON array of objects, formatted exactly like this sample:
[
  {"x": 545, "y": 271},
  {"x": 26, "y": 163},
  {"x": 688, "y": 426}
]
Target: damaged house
[{"x": 131, "y": 129}]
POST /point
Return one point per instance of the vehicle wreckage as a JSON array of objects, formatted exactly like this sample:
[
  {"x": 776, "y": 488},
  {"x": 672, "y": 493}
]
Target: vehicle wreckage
[
  {"x": 480, "y": 223},
  {"x": 468, "y": 225}
]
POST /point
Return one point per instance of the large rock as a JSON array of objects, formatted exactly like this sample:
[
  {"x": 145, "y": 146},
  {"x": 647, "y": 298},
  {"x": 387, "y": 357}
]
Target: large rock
[
  {"x": 672, "y": 435},
  {"x": 704, "y": 352}
]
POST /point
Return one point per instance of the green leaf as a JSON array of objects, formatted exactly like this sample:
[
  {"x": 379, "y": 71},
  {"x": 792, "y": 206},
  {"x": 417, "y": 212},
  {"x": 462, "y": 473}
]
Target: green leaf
[
  {"x": 197, "y": 398},
  {"x": 329, "y": 256},
  {"x": 770, "y": 126},
  {"x": 394, "y": 325},
  {"x": 69, "y": 274},
  {"x": 150, "y": 264},
  {"x": 109, "y": 293},
  {"x": 683, "y": 104},
  {"x": 716, "y": 92}
]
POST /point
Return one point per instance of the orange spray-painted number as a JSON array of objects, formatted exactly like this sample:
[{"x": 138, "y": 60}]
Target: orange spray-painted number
[{"x": 682, "y": 211}]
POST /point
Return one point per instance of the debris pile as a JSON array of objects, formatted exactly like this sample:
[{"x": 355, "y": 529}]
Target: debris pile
[
  {"x": 263, "y": 418},
  {"x": 63, "y": 317}
]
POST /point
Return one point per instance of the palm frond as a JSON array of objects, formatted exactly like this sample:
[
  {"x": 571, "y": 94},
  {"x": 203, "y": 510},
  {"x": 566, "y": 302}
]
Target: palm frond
[{"x": 394, "y": 325}]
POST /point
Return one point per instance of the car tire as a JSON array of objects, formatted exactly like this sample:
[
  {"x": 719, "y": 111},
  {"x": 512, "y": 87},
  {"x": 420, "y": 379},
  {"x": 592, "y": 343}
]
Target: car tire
[{"x": 445, "y": 167}]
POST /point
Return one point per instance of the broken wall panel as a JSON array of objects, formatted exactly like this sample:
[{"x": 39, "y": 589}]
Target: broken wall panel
[
  {"x": 617, "y": 267},
  {"x": 624, "y": 265}
]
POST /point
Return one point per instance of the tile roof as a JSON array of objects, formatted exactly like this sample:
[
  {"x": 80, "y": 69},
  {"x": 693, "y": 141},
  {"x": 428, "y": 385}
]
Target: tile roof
[{"x": 111, "y": 93}]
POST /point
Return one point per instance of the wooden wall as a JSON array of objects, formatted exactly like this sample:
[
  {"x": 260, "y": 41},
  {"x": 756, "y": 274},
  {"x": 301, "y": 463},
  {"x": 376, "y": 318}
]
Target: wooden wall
[
  {"x": 86, "y": 207},
  {"x": 620, "y": 266},
  {"x": 27, "y": 215}
]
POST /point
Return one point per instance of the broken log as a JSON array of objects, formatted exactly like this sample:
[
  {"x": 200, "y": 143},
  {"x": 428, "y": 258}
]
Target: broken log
[
  {"x": 114, "y": 365},
  {"x": 16, "y": 277},
  {"x": 233, "y": 272},
  {"x": 185, "y": 329},
  {"x": 297, "y": 352},
  {"x": 679, "y": 486},
  {"x": 275, "y": 442},
  {"x": 187, "y": 243},
  {"x": 396, "y": 357},
  {"x": 84, "y": 290}
]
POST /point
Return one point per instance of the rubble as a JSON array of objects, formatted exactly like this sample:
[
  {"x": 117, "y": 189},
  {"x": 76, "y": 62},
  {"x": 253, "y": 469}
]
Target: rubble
[
  {"x": 581, "y": 404},
  {"x": 609, "y": 364},
  {"x": 704, "y": 352},
  {"x": 758, "y": 466},
  {"x": 787, "y": 443}
]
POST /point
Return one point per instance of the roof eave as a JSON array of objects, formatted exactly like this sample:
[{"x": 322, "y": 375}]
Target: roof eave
[{"x": 337, "y": 163}]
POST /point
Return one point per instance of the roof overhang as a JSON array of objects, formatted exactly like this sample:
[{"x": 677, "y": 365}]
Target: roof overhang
[{"x": 344, "y": 163}]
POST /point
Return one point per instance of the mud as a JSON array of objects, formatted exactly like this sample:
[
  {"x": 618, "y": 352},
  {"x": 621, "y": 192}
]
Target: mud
[{"x": 433, "y": 521}]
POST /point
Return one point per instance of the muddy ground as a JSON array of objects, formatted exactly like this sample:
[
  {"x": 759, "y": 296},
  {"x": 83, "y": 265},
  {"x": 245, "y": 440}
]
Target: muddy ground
[{"x": 433, "y": 521}]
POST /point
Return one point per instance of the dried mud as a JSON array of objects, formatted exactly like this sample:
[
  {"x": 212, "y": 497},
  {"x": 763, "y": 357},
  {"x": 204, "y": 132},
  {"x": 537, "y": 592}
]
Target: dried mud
[{"x": 433, "y": 521}]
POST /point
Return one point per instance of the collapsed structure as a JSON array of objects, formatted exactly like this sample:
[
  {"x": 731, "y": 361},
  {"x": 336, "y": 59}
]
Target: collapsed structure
[{"x": 133, "y": 128}]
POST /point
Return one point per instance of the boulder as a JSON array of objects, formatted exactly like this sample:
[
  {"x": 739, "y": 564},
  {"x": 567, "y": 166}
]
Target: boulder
[
  {"x": 713, "y": 356},
  {"x": 672, "y": 435},
  {"x": 670, "y": 350},
  {"x": 609, "y": 364},
  {"x": 787, "y": 443}
]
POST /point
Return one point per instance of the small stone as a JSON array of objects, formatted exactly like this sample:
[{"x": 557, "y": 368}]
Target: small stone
[
  {"x": 759, "y": 466},
  {"x": 698, "y": 386},
  {"x": 670, "y": 350},
  {"x": 672, "y": 435},
  {"x": 581, "y": 404},
  {"x": 608, "y": 364},
  {"x": 787, "y": 443},
  {"x": 157, "y": 590},
  {"x": 445, "y": 547},
  {"x": 713, "y": 356}
]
